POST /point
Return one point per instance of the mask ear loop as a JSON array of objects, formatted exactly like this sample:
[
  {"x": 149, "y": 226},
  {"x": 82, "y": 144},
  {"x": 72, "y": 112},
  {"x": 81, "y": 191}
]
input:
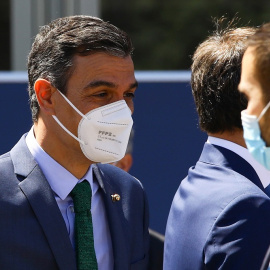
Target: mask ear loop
[
  {"x": 62, "y": 126},
  {"x": 69, "y": 102},
  {"x": 263, "y": 111}
]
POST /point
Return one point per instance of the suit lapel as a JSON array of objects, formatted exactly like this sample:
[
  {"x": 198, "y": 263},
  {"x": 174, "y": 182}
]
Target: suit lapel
[
  {"x": 114, "y": 211},
  {"x": 40, "y": 196},
  {"x": 267, "y": 190},
  {"x": 218, "y": 155}
]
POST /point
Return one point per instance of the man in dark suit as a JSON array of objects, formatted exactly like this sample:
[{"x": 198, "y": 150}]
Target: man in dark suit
[
  {"x": 81, "y": 89},
  {"x": 219, "y": 218},
  {"x": 255, "y": 81},
  {"x": 254, "y": 84}
]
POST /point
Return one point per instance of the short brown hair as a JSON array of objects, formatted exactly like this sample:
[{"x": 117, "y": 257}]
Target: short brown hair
[
  {"x": 260, "y": 41},
  {"x": 216, "y": 72}
]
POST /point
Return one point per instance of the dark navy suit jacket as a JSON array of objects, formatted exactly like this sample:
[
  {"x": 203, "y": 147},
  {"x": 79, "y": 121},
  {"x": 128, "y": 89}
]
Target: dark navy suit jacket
[
  {"x": 33, "y": 234},
  {"x": 220, "y": 216}
]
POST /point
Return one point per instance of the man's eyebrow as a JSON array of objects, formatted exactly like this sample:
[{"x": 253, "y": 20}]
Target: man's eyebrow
[
  {"x": 133, "y": 85},
  {"x": 99, "y": 83}
]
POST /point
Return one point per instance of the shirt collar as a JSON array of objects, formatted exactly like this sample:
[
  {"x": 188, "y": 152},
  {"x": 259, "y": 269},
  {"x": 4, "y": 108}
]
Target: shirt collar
[
  {"x": 243, "y": 152},
  {"x": 61, "y": 180}
]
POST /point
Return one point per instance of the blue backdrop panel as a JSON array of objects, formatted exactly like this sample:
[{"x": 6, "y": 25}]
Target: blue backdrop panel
[
  {"x": 167, "y": 139},
  {"x": 15, "y": 116}
]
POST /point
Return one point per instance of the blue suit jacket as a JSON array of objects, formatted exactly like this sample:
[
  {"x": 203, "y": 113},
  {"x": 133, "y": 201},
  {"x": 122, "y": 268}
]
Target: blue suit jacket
[
  {"x": 220, "y": 217},
  {"x": 33, "y": 234}
]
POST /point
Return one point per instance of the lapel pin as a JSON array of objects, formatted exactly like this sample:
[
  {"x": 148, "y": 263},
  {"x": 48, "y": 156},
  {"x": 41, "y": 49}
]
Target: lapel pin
[{"x": 115, "y": 197}]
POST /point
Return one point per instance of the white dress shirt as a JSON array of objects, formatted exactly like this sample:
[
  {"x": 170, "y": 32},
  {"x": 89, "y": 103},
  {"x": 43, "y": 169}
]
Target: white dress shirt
[
  {"x": 243, "y": 152},
  {"x": 62, "y": 182}
]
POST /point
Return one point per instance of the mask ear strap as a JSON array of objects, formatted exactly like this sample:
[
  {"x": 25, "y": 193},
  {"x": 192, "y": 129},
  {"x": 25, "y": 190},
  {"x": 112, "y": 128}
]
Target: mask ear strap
[
  {"x": 69, "y": 102},
  {"x": 64, "y": 128},
  {"x": 263, "y": 111}
]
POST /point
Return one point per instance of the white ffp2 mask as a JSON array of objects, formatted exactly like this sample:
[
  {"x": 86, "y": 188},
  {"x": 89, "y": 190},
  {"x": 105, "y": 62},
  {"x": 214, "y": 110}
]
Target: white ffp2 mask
[{"x": 103, "y": 133}]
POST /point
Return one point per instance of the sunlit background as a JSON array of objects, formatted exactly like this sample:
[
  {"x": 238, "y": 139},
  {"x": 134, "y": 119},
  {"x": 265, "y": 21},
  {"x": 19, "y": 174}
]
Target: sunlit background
[{"x": 165, "y": 34}]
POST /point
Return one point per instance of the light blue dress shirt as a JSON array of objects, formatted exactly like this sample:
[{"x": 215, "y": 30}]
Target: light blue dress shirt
[{"x": 62, "y": 182}]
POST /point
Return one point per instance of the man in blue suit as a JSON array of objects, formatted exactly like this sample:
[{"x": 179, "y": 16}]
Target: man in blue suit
[
  {"x": 254, "y": 84},
  {"x": 255, "y": 81},
  {"x": 219, "y": 218},
  {"x": 81, "y": 89}
]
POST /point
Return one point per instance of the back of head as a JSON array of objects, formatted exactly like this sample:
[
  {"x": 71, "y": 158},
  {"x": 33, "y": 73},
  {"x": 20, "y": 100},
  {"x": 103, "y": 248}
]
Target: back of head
[
  {"x": 216, "y": 71},
  {"x": 260, "y": 41},
  {"x": 51, "y": 56}
]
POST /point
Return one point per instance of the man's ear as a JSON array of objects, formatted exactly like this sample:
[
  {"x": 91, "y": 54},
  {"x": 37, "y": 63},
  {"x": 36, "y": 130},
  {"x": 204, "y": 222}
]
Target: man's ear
[{"x": 44, "y": 91}]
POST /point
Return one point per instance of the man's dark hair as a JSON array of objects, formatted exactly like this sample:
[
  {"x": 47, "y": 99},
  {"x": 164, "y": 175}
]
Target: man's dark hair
[
  {"x": 216, "y": 72},
  {"x": 260, "y": 41},
  {"x": 51, "y": 56}
]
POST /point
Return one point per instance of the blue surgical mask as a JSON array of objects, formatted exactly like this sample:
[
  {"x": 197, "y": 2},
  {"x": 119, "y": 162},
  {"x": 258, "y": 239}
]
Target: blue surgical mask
[{"x": 252, "y": 135}]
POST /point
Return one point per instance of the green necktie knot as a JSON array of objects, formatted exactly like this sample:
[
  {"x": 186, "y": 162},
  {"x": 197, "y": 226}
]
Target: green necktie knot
[
  {"x": 81, "y": 195},
  {"x": 86, "y": 257}
]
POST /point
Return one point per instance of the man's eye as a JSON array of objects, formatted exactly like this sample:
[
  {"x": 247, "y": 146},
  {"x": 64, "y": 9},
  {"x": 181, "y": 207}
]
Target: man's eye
[
  {"x": 130, "y": 95},
  {"x": 103, "y": 94}
]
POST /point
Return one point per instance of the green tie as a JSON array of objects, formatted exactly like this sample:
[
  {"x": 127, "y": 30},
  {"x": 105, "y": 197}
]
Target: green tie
[{"x": 86, "y": 257}]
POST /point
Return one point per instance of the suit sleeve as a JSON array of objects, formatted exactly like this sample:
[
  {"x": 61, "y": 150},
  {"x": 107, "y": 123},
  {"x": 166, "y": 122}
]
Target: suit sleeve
[{"x": 240, "y": 235}]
